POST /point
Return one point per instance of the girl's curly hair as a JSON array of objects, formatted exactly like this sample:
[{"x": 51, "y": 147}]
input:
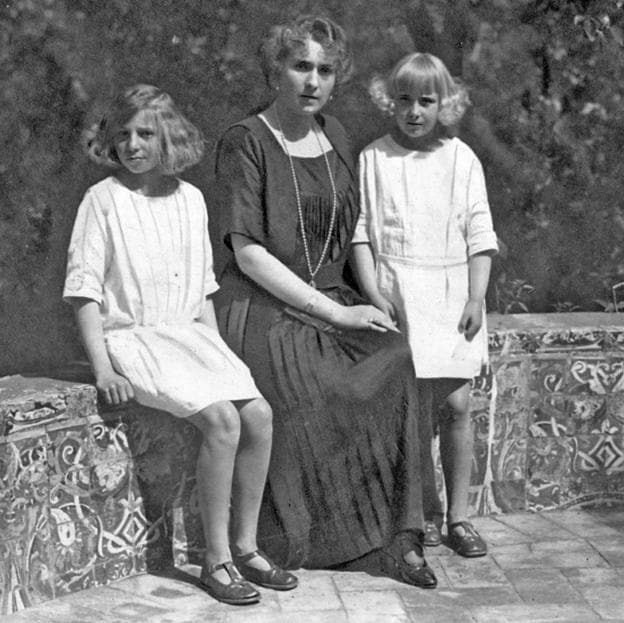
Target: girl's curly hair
[
  {"x": 181, "y": 143},
  {"x": 420, "y": 72},
  {"x": 282, "y": 40}
]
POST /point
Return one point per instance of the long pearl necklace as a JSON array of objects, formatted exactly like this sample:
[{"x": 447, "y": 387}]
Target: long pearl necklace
[{"x": 306, "y": 248}]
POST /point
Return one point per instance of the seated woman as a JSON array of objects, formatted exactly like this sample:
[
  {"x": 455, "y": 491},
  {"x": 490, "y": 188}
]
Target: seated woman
[{"x": 345, "y": 476}]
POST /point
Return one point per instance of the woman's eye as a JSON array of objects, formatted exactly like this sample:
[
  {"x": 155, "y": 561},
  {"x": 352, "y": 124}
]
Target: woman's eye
[{"x": 326, "y": 71}]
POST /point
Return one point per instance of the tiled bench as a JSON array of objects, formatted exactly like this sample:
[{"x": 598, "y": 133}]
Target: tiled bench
[
  {"x": 550, "y": 432},
  {"x": 90, "y": 495}
]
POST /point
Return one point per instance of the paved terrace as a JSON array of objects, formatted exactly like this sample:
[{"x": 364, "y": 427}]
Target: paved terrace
[{"x": 557, "y": 566}]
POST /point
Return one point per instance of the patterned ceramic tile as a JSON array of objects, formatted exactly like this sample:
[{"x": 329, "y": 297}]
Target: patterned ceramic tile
[
  {"x": 117, "y": 568},
  {"x": 509, "y": 460},
  {"x": 615, "y": 411},
  {"x": 598, "y": 453},
  {"x": 549, "y": 461},
  {"x": 547, "y": 374},
  {"x": 74, "y": 542},
  {"x": 188, "y": 541},
  {"x": 510, "y": 495},
  {"x": 24, "y": 484},
  {"x": 481, "y": 500},
  {"x": 481, "y": 385},
  {"x": 527, "y": 342},
  {"x": 512, "y": 379},
  {"x": 69, "y": 453},
  {"x": 110, "y": 442},
  {"x": 577, "y": 339},
  {"x": 497, "y": 340},
  {"x": 556, "y": 415},
  {"x": 479, "y": 463},
  {"x": 511, "y": 420},
  {"x": 582, "y": 481},
  {"x": 27, "y": 570},
  {"x": 615, "y": 478},
  {"x": 480, "y": 416},
  {"x": 595, "y": 375}
]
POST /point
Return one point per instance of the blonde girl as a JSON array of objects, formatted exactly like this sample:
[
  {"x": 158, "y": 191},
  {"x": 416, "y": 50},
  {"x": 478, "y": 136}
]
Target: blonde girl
[
  {"x": 140, "y": 279},
  {"x": 422, "y": 251}
]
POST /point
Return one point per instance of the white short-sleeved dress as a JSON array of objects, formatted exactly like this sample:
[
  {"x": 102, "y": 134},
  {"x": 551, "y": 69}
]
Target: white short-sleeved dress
[
  {"x": 425, "y": 214},
  {"x": 147, "y": 262}
]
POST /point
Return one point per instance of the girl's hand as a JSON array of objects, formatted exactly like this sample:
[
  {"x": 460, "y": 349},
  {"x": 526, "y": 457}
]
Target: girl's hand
[
  {"x": 115, "y": 389},
  {"x": 363, "y": 317},
  {"x": 471, "y": 319}
]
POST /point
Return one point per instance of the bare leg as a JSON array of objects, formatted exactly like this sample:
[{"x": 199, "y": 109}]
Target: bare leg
[
  {"x": 456, "y": 448},
  {"x": 220, "y": 427},
  {"x": 250, "y": 471}
]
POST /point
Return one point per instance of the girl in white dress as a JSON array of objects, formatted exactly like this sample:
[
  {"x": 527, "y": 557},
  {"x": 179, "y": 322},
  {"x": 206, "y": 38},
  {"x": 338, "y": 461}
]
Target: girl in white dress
[
  {"x": 422, "y": 252},
  {"x": 140, "y": 279}
]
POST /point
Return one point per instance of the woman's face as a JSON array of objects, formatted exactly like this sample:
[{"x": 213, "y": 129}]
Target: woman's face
[{"x": 307, "y": 80}]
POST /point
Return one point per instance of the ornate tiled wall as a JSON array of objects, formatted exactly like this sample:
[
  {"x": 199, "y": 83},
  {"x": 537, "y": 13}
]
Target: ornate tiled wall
[
  {"x": 88, "y": 495},
  {"x": 549, "y": 426}
]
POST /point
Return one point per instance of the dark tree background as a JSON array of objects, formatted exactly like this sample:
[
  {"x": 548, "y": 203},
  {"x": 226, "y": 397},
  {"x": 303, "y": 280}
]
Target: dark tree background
[{"x": 545, "y": 78}]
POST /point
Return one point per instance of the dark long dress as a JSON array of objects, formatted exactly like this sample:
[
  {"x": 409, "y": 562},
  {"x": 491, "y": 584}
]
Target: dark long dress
[{"x": 345, "y": 465}]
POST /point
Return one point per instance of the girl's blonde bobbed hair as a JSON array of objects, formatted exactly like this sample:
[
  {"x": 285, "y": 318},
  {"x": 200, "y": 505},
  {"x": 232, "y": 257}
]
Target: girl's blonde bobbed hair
[
  {"x": 181, "y": 143},
  {"x": 420, "y": 72}
]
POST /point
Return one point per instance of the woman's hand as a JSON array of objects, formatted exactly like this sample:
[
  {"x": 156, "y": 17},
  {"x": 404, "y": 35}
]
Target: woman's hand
[
  {"x": 115, "y": 388},
  {"x": 386, "y": 307},
  {"x": 471, "y": 319},
  {"x": 363, "y": 317}
]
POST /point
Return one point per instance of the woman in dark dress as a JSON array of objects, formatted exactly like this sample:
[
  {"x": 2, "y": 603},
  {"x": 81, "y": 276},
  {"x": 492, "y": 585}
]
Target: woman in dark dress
[{"x": 345, "y": 470}]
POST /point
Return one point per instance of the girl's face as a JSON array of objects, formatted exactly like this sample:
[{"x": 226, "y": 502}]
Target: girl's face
[
  {"x": 307, "y": 80},
  {"x": 416, "y": 115},
  {"x": 137, "y": 144}
]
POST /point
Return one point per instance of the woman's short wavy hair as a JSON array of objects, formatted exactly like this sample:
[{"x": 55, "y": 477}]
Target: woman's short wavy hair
[
  {"x": 420, "y": 72},
  {"x": 181, "y": 143},
  {"x": 284, "y": 39}
]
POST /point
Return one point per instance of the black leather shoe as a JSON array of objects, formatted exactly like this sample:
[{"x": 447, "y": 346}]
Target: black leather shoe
[
  {"x": 469, "y": 544},
  {"x": 432, "y": 536},
  {"x": 394, "y": 563},
  {"x": 237, "y": 592},
  {"x": 275, "y": 578}
]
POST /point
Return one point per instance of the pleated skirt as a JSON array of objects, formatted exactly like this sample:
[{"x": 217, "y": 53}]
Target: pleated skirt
[{"x": 345, "y": 466}]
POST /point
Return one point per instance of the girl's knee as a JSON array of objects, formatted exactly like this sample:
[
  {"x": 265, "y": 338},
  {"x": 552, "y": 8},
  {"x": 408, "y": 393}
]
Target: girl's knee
[
  {"x": 456, "y": 411},
  {"x": 257, "y": 418},
  {"x": 219, "y": 420},
  {"x": 457, "y": 396}
]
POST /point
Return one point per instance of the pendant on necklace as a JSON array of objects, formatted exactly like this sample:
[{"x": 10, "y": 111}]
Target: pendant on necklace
[{"x": 312, "y": 283}]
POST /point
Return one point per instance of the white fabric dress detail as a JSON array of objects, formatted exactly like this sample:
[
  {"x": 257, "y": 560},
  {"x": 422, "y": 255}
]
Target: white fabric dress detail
[
  {"x": 425, "y": 214},
  {"x": 147, "y": 262}
]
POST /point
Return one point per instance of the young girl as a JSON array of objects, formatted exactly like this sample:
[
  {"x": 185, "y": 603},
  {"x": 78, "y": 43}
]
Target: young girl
[
  {"x": 140, "y": 279},
  {"x": 422, "y": 254}
]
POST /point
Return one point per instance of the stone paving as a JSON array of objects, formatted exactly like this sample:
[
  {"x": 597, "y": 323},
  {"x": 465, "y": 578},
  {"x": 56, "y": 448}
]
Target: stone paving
[{"x": 558, "y": 566}]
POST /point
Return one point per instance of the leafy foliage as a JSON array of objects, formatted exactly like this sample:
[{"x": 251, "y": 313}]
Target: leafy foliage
[{"x": 545, "y": 78}]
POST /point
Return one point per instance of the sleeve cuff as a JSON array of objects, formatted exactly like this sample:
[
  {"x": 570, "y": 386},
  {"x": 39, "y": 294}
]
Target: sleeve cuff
[
  {"x": 360, "y": 235},
  {"x": 76, "y": 287},
  {"x": 484, "y": 242}
]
